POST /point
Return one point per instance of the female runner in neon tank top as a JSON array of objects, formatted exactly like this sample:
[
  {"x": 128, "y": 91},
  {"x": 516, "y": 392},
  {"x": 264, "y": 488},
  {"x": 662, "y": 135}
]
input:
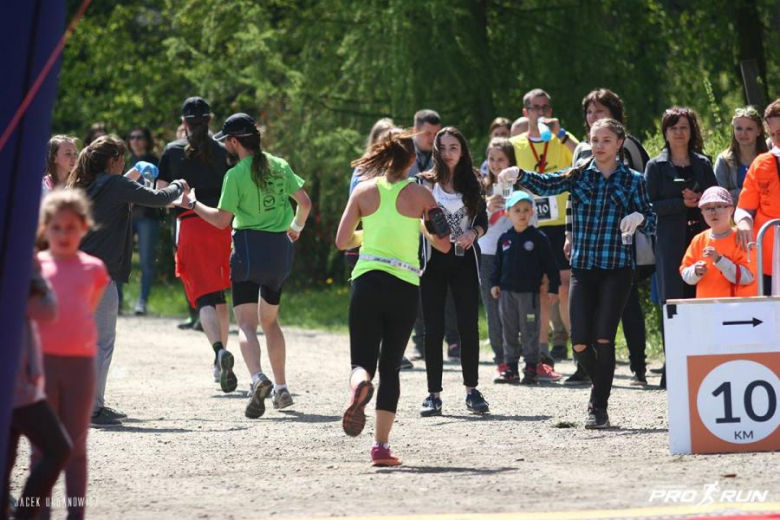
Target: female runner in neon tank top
[{"x": 385, "y": 280}]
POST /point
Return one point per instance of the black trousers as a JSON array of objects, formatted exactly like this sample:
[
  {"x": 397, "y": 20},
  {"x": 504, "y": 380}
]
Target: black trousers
[
  {"x": 38, "y": 423},
  {"x": 382, "y": 310},
  {"x": 633, "y": 320},
  {"x": 458, "y": 274},
  {"x": 597, "y": 298}
]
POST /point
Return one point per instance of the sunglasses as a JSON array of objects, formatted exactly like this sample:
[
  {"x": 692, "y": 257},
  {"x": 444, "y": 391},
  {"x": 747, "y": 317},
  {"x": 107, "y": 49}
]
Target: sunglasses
[
  {"x": 136, "y": 137},
  {"x": 746, "y": 112}
]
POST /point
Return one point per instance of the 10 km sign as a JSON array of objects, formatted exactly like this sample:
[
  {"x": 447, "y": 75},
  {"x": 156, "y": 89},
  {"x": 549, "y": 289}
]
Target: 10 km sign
[{"x": 734, "y": 402}]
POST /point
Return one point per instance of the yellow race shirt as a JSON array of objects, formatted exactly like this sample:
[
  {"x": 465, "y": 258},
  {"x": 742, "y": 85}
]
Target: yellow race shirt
[{"x": 544, "y": 158}]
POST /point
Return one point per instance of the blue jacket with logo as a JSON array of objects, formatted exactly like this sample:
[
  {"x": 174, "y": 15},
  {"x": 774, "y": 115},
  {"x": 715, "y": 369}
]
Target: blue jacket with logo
[{"x": 522, "y": 259}]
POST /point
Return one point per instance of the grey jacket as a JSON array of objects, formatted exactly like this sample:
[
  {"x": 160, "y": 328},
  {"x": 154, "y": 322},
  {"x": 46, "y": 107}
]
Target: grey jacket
[
  {"x": 112, "y": 239},
  {"x": 666, "y": 196},
  {"x": 726, "y": 174}
]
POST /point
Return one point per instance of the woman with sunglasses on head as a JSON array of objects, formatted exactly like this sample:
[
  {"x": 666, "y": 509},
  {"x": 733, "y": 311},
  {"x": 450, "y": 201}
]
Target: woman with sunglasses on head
[
  {"x": 458, "y": 191},
  {"x": 747, "y": 142},
  {"x": 609, "y": 204},
  {"x": 759, "y": 202}
]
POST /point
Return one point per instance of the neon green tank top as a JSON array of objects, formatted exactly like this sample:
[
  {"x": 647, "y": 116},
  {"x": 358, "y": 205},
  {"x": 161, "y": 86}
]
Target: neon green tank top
[{"x": 391, "y": 236}]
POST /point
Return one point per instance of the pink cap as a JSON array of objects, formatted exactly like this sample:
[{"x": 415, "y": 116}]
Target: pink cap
[{"x": 716, "y": 194}]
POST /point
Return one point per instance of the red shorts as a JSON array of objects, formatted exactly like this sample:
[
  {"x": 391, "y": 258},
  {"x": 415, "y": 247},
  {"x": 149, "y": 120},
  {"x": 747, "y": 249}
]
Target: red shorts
[{"x": 202, "y": 257}]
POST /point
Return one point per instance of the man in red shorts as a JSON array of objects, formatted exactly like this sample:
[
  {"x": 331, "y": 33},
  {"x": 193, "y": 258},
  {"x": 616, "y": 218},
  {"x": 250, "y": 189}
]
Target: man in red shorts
[{"x": 203, "y": 251}]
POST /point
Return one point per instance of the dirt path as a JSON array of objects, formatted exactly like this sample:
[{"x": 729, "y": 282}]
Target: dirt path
[{"x": 189, "y": 452}]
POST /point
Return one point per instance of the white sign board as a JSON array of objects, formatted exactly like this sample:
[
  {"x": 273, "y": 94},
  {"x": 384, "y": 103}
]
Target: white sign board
[{"x": 723, "y": 374}]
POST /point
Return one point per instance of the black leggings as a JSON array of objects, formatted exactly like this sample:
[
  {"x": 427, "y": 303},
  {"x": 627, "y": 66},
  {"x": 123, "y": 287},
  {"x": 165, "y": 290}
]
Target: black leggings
[
  {"x": 382, "y": 310},
  {"x": 459, "y": 274},
  {"x": 38, "y": 423},
  {"x": 597, "y": 298}
]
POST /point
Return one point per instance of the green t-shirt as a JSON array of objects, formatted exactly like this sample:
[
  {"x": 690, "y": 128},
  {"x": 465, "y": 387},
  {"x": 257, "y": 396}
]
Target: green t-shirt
[{"x": 266, "y": 208}]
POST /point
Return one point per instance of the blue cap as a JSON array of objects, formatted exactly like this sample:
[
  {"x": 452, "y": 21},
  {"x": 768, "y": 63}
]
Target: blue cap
[{"x": 518, "y": 196}]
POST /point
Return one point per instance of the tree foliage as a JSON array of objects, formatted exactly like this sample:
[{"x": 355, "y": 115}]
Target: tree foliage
[{"x": 318, "y": 73}]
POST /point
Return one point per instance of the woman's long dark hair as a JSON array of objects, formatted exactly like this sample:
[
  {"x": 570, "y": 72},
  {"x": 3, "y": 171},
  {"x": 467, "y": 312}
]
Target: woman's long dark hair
[
  {"x": 198, "y": 139},
  {"x": 93, "y": 160},
  {"x": 466, "y": 180},
  {"x": 260, "y": 168}
]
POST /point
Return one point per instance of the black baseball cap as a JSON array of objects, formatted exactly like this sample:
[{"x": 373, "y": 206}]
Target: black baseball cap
[
  {"x": 195, "y": 107},
  {"x": 237, "y": 125}
]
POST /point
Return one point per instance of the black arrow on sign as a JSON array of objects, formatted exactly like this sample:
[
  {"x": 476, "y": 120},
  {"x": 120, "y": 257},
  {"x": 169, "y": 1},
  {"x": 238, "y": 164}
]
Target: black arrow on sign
[{"x": 755, "y": 322}]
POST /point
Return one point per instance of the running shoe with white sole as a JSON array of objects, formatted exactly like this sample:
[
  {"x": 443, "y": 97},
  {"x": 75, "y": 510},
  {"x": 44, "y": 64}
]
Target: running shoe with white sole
[
  {"x": 227, "y": 379},
  {"x": 282, "y": 399},
  {"x": 475, "y": 403},
  {"x": 381, "y": 456},
  {"x": 431, "y": 406},
  {"x": 546, "y": 374},
  {"x": 598, "y": 419},
  {"x": 256, "y": 406},
  {"x": 354, "y": 418}
]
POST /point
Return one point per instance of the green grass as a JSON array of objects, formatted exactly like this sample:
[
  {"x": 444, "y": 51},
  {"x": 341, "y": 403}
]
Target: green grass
[{"x": 326, "y": 308}]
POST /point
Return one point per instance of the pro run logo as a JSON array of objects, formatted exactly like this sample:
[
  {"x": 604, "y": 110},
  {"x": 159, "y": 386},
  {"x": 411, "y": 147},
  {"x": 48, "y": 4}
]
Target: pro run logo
[{"x": 714, "y": 493}]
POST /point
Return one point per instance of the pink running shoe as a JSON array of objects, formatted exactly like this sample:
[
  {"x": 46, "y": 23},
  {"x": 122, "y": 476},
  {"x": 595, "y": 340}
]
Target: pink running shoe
[
  {"x": 381, "y": 456},
  {"x": 354, "y": 419},
  {"x": 546, "y": 374},
  {"x": 500, "y": 369}
]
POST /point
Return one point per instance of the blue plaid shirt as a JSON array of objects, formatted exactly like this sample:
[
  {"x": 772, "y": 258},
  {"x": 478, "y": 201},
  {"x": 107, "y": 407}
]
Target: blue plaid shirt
[{"x": 598, "y": 206}]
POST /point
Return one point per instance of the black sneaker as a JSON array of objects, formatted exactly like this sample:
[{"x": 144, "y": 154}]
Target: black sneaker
[
  {"x": 256, "y": 406},
  {"x": 187, "y": 324},
  {"x": 475, "y": 403},
  {"x": 578, "y": 378},
  {"x": 406, "y": 364},
  {"x": 100, "y": 419},
  {"x": 197, "y": 326},
  {"x": 453, "y": 352},
  {"x": 114, "y": 413},
  {"x": 559, "y": 353},
  {"x": 546, "y": 359},
  {"x": 530, "y": 376},
  {"x": 227, "y": 379},
  {"x": 431, "y": 406},
  {"x": 598, "y": 419},
  {"x": 639, "y": 379}
]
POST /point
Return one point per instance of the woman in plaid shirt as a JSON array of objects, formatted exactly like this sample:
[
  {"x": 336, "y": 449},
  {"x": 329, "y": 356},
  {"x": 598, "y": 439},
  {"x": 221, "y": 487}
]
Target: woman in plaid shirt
[{"x": 609, "y": 204}]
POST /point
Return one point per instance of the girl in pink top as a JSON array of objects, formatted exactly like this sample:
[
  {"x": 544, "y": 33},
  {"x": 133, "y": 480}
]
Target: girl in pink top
[{"x": 69, "y": 343}]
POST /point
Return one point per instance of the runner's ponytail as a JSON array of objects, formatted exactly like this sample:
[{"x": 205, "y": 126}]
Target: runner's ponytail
[
  {"x": 390, "y": 156},
  {"x": 260, "y": 168}
]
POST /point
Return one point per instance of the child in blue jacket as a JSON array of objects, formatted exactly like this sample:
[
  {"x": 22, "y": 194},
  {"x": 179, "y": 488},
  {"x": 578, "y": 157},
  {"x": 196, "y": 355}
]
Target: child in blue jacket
[{"x": 523, "y": 257}]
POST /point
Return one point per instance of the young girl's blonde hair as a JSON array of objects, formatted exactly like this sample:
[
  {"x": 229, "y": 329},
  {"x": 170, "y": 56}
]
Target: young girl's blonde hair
[{"x": 74, "y": 200}]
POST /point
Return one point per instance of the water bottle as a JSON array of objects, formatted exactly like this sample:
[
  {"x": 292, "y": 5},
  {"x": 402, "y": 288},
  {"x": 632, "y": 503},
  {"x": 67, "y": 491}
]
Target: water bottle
[
  {"x": 148, "y": 180},
  {"x": 544, "y": 132}
]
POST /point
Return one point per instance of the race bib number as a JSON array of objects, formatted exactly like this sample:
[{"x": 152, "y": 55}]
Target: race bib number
[{"x": 546, "y": 208}]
